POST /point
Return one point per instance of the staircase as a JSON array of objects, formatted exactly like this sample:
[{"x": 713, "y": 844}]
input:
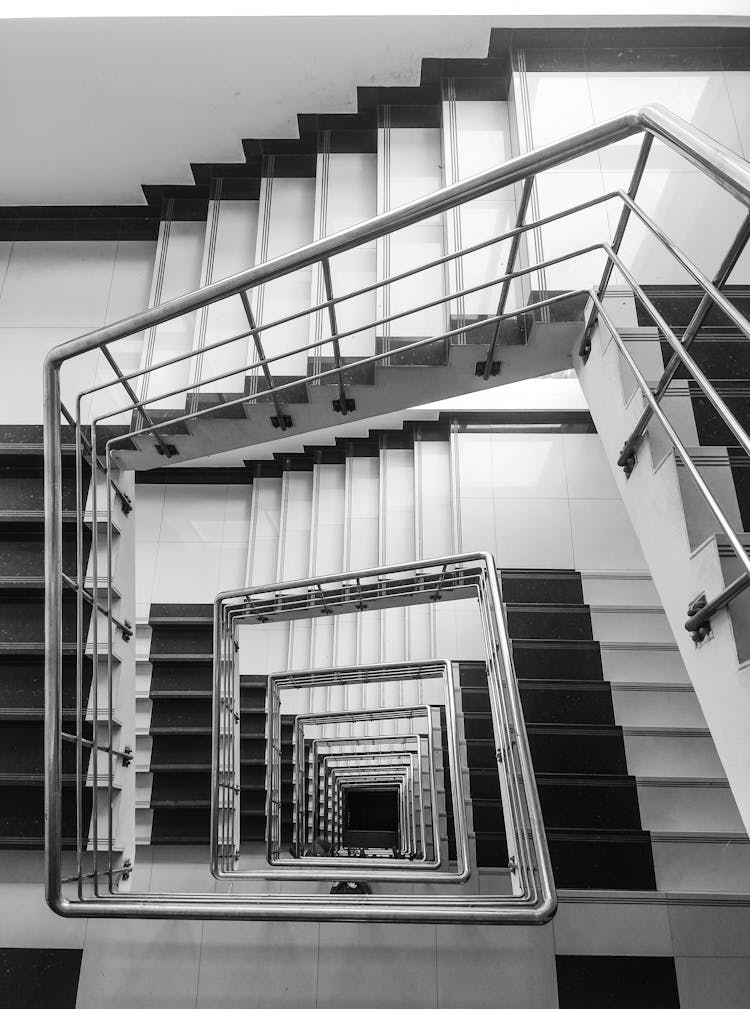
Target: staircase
[
  {"x": 373, "y": 286},
  {"x": 402, "y": 144},
  {"x": 22, "y": 641},
  {"x": 689, "y": 554}
]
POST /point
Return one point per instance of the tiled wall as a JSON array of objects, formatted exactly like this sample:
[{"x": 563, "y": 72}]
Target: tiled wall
[
  {"x": 192, "y": 542},
  {"x": 543, "y": 500},
  {"x": 53, "y": 291},
  {"x": 700, "y": 217}
]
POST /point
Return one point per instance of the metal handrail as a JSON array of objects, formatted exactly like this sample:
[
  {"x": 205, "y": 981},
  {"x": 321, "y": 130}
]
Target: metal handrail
[
  {"x": 718, "y": 162},
  {"x": 722, "y": 166}
]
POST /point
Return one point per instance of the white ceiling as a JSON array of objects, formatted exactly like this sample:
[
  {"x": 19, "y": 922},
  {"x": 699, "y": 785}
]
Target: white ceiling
[{"x": 92, "y": 108}]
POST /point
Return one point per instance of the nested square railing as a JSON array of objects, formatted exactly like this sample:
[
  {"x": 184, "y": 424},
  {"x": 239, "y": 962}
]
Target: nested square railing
[{"x": 432, "y": 582}]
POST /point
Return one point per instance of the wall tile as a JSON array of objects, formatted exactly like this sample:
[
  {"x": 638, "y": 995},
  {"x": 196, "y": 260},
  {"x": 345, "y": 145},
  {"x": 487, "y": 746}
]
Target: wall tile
[
  {"x": 74, "y": 276},
  {"x": 131, "y": 279},
  {"x": 533, "y": 533},
  {"x": 603, "y": 537},
  {"x": 148, "y": 511},
  {"x": 186, "y": 572},
  {"x": 699, "y": 96},
  {"x": 587, "y": 469},
  {"x": 193, "y": 513},
  {"x": 528, "y": 466}
]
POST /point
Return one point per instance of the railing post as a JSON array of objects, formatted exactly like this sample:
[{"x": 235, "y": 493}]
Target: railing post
[
  {"x": 52, "y": 633},
  {"x": 342, "y": 404},
  {"x": 640, "y": 165},
  {"x": 490, "y": 367},
  {"x": 281, "y": 420}
]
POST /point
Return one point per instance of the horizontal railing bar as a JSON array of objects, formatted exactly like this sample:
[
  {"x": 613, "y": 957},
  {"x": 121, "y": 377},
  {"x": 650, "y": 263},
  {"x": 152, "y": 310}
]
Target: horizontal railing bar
[
  {"x": 321, "y": 306},
  {"x": 373, "y": 358},
  {"x": 126, "y": 755},
  {"x": 123, "y": 871},
  {"x": 718, "y": 162},
  {"x": 703, "y": 616}
]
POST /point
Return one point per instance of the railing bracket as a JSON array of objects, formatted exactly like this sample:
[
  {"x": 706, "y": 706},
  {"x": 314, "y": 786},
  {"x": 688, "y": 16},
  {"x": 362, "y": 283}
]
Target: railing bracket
[
  {"x": 127, "y": 756},
  {"x": 494, "y": 370},
  {"x": 283, "y": 421},
  {"x": 627, "y": 461},
  {"x": 166, "y": 449},
  {"x": 349, "y": 403},
  {"x": 127, "y": 867},
  {"x": 703, "y": 630}
]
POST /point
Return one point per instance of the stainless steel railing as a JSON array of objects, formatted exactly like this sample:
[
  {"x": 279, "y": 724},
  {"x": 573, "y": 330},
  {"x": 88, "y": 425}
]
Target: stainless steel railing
[
  {"x": 462, "y": 577},
  {"x": 104, "y": 447}
]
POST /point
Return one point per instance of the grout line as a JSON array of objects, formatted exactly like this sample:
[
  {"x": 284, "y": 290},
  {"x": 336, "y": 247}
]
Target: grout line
[{"x": 200, "y": 961}]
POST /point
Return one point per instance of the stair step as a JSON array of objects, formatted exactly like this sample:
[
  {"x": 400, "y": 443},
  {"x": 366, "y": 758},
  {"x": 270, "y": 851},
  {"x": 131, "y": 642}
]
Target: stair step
[
  {"x": 657, "y": 705},
  {"x": 600, "y": 860},
  {"x": 690, "y": 805},
  {"x": 545, "y": 587},
  {"x": 566, "y": 750},
  {"x": 568, "y": 703},
  {"x": 557, "y": 660},
  {"x": 596, "y": 802},
  {"x": 713, "y": 863},
  {"x": 549, "y": 622}
]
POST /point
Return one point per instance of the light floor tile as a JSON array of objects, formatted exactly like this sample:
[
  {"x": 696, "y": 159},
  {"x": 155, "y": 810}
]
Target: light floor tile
[
  {"x": 377, "y": 965},
  {"x": 140, "y": 964},
  {"x": 705, "y": 930},
  {"x": 715, "y": 982},
  {"x": 612, "y": 930},
  {"x": 497, "y": 967},
  {"x": 263, "y": 964},
  {"x": 27, "y": 922}
]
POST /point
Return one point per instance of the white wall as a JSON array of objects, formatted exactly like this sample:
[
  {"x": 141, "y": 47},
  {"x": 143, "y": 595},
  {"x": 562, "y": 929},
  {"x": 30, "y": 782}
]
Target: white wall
[
  {"x": 51, "y": 292},
  {"x": 191, "y": 542},
  {"x": 701, "y": 218},
  {"x": 543, "y": 500}
]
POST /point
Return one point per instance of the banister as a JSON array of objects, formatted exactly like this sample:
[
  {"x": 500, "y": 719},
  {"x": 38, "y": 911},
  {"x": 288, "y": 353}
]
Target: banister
[{"x": 718, "y": 162}]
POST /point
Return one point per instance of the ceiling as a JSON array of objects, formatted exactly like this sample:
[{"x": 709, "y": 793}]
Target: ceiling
[{"x": 90, "y": 109}]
